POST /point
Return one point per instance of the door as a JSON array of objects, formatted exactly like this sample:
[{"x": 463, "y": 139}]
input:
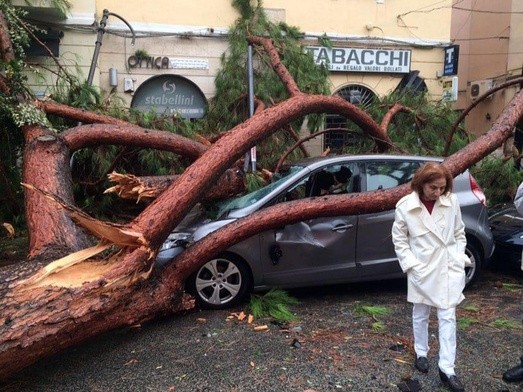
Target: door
[
  {"x": 375, "y": 253},
  {"x": 315, "y": 251}
]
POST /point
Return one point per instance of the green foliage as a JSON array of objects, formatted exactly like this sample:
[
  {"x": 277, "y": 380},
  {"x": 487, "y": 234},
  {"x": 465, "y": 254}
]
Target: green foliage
[
  {"x": 374, "y": 312},
  {"x": 424, "y": 130},
  {"x": 230, "y": 106},
  {"x": 498, "y": 178},
  {"x": 141, "y": 54},
  {"x": 378, "y": 326},
  {"x": 325, "y": 41},
  {"x": 254, "y": 181},
  {"x": 420, "y": 130},
  {"x": 511, "y": 286},
  {"x": 11, "y": 116},
  {"x": 369, "y": 310},
  {"x": 227, "y": 109},
  {"x": 63, "y": 6},
  {"x": 507, "y": 324},
  {"x": 275, "y": 304},
  {"x": 27, "y": 114},
  {"x": 466, "y": 322},
  {"x": 471, "y": 308}
]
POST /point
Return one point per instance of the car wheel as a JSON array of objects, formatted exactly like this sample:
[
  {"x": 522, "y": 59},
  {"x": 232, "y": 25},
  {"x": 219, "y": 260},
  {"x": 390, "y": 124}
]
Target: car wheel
[
  {"x": 221, "y": 282},
  {"x": 472, "y": 272}
]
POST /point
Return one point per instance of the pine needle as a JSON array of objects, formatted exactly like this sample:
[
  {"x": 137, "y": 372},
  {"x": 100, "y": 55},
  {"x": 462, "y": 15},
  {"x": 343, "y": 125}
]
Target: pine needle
[{"x": 275, "y": 304}]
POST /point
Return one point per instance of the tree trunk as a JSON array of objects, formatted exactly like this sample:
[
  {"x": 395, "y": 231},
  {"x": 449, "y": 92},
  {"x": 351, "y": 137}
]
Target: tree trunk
[
  {"x": 52, "y": 233},
  {"x": 40, "y": 316}
]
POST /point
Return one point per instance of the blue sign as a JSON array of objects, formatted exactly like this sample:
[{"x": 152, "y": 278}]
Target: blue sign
[{"x": 450, "y": 63}]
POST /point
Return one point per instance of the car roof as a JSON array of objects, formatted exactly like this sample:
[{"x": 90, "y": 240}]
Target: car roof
[{"x": 312, "y": 162}]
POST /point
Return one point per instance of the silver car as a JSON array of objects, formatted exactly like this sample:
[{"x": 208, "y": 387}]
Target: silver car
[{"x": 321, "y": 251}]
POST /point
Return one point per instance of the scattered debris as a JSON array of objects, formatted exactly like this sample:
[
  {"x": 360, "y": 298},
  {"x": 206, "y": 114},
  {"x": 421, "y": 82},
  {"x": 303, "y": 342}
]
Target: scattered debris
[
  {"x": 261, "y": 328},
  {"x": 10, "y": 229},
  {"x": 397, "y": 347},
  {"x": 296, "y": 343}
]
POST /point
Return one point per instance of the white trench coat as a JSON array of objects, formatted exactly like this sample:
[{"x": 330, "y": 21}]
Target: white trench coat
[{"x": 431, "y": 250}]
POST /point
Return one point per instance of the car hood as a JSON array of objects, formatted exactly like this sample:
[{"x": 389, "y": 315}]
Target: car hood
[{"x": 207, "y": 227}]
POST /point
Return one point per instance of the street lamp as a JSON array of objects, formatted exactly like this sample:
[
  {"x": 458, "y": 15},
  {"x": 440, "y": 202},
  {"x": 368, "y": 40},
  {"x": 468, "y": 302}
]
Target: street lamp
[{"x": 98, "y": 44}]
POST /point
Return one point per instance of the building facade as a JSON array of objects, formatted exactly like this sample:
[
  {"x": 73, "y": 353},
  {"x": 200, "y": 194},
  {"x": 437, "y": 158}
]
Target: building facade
[
  {"x": 490, "y": 39},
  {"x": 143, "y": 51}
]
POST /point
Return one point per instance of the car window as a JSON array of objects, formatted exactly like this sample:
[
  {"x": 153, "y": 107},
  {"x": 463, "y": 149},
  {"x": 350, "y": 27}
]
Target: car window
[
  {"x": 333, "y": 179},
  {"x": 252, "y": 197},
  {"x": 389, "y": 174}
]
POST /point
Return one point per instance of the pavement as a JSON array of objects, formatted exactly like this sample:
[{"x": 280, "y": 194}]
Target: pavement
[{"x": 333, "y": 345}]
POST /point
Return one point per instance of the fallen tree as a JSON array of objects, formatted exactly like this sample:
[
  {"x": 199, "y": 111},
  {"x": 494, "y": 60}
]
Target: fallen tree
[{"x": 75, "y": 287}]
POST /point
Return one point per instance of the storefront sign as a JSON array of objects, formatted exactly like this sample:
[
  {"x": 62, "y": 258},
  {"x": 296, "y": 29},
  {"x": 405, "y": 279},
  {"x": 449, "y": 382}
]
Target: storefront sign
[
  {"x": 450, "y": 89},
  {"x": 170, "y": 95},
  {"x": 362, "y": 60},
  {"x": 166, "y": 63},
  {"x": 450, "y": 63}
]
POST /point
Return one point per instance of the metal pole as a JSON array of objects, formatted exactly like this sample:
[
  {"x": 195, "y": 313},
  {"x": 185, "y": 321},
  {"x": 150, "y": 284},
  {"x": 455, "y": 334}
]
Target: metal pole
[
  {"x": 250, "y": 83},
  {"x": 97, "y": 45},
  {"x": 99, "y": 37}
]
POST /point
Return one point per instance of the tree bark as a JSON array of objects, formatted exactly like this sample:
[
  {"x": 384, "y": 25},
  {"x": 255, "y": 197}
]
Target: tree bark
[{"x": 46, "y": 165}]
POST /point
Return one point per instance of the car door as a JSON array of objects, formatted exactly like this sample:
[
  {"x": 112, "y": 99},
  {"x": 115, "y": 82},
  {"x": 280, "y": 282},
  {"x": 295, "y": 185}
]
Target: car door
[
  {"x": 375, "y": 253},
  {"x": 312, "y": 252}
]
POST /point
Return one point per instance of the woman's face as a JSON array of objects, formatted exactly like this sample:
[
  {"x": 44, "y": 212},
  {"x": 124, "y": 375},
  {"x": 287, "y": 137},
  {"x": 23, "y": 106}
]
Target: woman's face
[{"x": 434, "y": 189}]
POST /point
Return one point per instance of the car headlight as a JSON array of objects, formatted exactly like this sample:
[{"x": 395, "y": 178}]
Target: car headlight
[{"x": 175, "y": 240}]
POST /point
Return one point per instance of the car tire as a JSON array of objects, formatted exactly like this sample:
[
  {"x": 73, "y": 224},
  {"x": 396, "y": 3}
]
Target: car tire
[
  {"x": 221, "y": 282},
  {"x": 472, "y": 273}
]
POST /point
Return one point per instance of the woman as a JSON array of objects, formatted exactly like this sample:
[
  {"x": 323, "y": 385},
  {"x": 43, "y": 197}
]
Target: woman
[{"x": 429, "y": 240}]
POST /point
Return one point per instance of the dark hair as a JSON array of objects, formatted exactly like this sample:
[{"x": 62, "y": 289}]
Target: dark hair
[
  {"x": 343, "y": 174},
  {"x": 324, "y": 180},
  {"x": 429, "y": 172}
]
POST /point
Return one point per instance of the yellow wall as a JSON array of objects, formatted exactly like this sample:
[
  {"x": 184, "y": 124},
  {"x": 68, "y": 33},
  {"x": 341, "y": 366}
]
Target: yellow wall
[
  {"x": 398, "y": 18},
  {"x": 196, "y": 30},
  {"x": 345, "y": 22}
]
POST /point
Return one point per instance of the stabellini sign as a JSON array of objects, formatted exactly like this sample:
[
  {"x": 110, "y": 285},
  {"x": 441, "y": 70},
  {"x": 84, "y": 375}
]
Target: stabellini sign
[
  {"x": 362, "y": 60},
  {"x": 170, "y": 95}
]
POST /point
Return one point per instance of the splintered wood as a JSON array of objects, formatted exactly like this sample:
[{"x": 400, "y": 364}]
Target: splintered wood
[{"x": 249, "y": 319}]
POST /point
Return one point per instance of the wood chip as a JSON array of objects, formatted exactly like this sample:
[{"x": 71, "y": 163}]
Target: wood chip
[
  {"x": 250, "y": 319},
  {"x": 261, "y": 328}
]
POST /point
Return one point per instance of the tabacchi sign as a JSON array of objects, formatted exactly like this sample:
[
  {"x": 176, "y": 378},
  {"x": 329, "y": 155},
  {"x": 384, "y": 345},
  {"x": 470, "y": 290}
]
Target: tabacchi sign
[{"x": 362, "y": 60}]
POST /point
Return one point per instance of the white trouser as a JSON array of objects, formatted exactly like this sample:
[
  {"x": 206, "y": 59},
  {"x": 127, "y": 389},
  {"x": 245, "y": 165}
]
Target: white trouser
[{"x": 446, "y": 334}]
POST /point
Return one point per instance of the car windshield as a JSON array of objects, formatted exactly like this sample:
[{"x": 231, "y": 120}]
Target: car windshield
[{"x": 253, "y": 197}]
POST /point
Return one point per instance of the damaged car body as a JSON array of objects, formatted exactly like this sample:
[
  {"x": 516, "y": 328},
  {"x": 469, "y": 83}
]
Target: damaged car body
[{"x": 324, "y": 250}]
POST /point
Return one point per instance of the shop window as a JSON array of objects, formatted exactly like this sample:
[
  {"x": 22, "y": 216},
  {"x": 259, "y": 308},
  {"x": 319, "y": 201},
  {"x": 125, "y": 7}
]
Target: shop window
[
  {"x": 344, "y": 132},
  {"x": 50, "y": 38}
]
